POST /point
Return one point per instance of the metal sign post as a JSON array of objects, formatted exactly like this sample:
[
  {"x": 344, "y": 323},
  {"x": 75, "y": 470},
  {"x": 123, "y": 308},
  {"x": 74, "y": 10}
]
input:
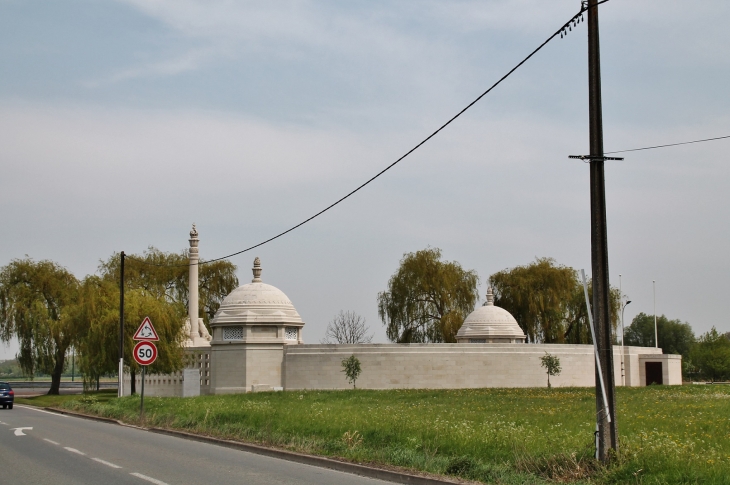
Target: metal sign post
[
  {"x": 145, "y": 353},
  {"x": 141, "y": 400}
]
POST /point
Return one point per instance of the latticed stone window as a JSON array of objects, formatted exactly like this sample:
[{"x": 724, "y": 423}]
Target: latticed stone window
[
  {"x": 232, "y": 333},
  {"x": 291, "y": 333}
]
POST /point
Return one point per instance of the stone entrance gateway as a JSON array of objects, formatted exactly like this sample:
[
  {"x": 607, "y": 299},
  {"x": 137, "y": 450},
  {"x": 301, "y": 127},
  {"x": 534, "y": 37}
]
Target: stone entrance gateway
[{"x": 654, "y": 373}]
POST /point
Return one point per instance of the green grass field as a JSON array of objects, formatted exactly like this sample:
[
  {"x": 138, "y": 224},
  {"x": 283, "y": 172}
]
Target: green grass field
[{"x": 668, "y": 434}]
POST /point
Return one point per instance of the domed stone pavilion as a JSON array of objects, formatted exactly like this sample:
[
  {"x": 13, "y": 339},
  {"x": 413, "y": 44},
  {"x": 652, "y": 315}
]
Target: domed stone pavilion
[
  {"x": 490, "y": 324},
  {"x": 257, "y": 312},
  {"x": 250, "y": 330}
]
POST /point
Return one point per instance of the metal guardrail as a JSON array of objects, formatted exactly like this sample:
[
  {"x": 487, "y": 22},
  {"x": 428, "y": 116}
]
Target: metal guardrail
[{"x": 64, "y": 385}]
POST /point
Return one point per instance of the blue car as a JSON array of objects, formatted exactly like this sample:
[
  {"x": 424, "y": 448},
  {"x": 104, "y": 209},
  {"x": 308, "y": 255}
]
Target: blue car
[{"x": 7, "y": 396}]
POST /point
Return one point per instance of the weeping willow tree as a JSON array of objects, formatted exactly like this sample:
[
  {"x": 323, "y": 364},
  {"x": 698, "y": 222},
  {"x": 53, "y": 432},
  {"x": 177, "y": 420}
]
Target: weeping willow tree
[
  {"x": 38, "y": 301},
  {"x": 156, "y": 286},
  {"x": 427, "y": 299},
  {"x": 98, "y": 321},
  {"x": 548, "y": 302},
  {"x": 98, "y": 337},
  {"x": 578, "y": 329},
  {"x": 165, "y": 276}
]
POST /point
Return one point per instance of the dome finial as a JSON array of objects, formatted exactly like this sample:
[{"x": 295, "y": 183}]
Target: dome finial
[
  {"x": 490, "y": 297},
  {"x": 256, "y": 270}
]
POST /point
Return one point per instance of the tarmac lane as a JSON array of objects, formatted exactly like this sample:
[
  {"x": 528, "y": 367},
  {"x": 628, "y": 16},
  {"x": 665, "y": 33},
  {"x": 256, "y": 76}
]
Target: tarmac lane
[
  {"x": 37, "y": 446},
  {"x": 26, "y": 457}
]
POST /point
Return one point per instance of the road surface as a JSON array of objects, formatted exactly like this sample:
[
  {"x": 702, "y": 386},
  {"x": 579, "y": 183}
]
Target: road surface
[{"x": 37, "y": 446}]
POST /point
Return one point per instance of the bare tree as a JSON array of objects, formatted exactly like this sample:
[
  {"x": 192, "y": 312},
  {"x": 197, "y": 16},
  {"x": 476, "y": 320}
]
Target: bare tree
[{"x": 347, "y": 328}]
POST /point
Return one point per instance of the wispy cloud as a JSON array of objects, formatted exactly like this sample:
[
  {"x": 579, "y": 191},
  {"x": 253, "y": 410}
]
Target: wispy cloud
[{"x": 189, "y": 61}]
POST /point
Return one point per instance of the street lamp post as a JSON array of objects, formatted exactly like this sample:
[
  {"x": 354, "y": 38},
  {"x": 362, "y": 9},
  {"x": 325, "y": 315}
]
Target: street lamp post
[
  {"x": 621, "y": 296},
  {"x": 623, "y": 307},
  {"x": 623, "y": 373}
]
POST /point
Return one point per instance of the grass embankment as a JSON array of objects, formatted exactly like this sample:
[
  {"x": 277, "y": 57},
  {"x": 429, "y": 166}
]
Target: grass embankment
[
  {"x": 96, "y": 397},
  {"x": 668, "y": 434}
]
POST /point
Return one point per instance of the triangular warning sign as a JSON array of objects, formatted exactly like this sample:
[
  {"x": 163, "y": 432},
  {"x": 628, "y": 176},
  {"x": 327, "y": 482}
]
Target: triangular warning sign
[{"x": 146, "y": 331}]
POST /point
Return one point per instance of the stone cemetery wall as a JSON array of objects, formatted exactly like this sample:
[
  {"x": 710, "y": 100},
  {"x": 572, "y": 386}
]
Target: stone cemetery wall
[{"x": 451, "y": 366}]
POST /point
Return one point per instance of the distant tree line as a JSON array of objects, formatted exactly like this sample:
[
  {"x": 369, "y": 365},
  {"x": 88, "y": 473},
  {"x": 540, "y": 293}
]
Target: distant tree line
[
  {"x": 10, "y": 368},
  {"x": 48, "y": 310},
  {"x": 704, "y": 358}
]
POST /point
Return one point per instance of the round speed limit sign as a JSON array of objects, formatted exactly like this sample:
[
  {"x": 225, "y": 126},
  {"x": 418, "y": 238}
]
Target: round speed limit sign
[{"x": 145, "y": 353}]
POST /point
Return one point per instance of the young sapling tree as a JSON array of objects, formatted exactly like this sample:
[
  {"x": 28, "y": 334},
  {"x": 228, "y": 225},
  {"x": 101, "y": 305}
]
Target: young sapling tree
[
  {"x": 351, "y": 368},
  {"x": 551, "y": 364}
]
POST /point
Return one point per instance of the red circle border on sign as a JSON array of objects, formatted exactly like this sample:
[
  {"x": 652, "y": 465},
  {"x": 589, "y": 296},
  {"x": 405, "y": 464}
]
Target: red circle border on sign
[{"x": 154, "y": 352}]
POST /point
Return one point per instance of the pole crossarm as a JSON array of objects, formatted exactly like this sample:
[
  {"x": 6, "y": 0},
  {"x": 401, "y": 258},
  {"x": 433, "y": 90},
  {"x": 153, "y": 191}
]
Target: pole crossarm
[{"x": 594, "y": 158}]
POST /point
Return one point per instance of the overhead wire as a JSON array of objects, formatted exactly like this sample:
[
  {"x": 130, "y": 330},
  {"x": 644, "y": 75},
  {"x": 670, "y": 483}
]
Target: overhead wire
[
  {"x": 668, "y": 145},
  {"x": 563, "y": 29}
]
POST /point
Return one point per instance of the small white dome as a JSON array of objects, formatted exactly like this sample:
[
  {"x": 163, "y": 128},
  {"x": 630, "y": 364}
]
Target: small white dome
[
  {"x": 257, "y": 302},
  {"x": 490, "y": 323}
]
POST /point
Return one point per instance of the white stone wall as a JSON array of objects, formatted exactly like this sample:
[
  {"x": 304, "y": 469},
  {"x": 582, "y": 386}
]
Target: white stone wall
[
  {"x": 236, "y": 367},
  {"x": 264, "y": 366},
  {"x": 452, "y": 366},
  {"x": 228, "y": 369},
  {"x": 239, "y": 368},
  {"x": 156, "y": 385},
  {"x": 171, "y": 385}
]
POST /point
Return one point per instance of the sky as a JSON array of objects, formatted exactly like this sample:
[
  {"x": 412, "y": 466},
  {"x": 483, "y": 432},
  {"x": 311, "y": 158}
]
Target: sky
[{"x": 123, "y": 122}]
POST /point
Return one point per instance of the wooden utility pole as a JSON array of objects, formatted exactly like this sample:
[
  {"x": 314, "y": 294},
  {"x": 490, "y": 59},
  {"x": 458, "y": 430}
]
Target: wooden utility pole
[
  {"x": 120, "y": 383},
  {"x": 607, "y": 430}
]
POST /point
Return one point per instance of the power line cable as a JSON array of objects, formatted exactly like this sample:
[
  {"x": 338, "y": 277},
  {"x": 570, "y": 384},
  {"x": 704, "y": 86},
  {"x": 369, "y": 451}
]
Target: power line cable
[
  {"x": 669, "y": 145},
  {"x": 562, "y": 31}
]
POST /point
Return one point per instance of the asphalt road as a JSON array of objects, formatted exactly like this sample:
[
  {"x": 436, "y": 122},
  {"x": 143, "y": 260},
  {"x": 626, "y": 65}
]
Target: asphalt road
[{"x": 37, "y": 446}]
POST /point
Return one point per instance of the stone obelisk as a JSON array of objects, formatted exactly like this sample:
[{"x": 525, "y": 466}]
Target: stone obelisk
[{"x": 193, "y": 287}]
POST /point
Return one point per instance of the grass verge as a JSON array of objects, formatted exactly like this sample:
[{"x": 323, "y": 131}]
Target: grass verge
[
  {"x": 506, "y": 436},
  {"x": 59, "y": 400}
]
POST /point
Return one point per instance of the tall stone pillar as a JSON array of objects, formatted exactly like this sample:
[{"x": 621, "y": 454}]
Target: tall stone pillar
[{"x": 193, "y": 287}]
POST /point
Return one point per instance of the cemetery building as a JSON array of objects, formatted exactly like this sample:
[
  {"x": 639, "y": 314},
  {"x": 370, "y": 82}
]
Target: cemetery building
[{"x": 257, "y": 344}]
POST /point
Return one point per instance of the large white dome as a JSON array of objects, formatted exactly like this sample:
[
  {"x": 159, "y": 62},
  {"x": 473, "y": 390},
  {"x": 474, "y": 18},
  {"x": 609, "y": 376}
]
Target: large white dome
[
  {"x": 257, "y": 302},
  {"x": 490, "y": 323}
]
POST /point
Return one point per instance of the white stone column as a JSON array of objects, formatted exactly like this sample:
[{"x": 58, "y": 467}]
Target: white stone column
[{"x": 193, "y": 287}]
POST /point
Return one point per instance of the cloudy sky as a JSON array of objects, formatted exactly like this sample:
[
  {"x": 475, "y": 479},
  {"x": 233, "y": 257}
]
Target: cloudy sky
[{"x": 121, "y": 123}]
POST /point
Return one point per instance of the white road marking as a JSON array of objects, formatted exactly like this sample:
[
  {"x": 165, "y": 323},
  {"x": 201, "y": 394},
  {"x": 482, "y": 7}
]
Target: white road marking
[
  {"x": 6, "y": 424},
  {"x": 103, "y": 462},
  {"x": 19, "y": 431},
  {"x": 149, "y": 479},
  {"x": 74, "y": 450},
  {"x": 42, "y": 411},
  {"x": 50, "y": 441}
]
